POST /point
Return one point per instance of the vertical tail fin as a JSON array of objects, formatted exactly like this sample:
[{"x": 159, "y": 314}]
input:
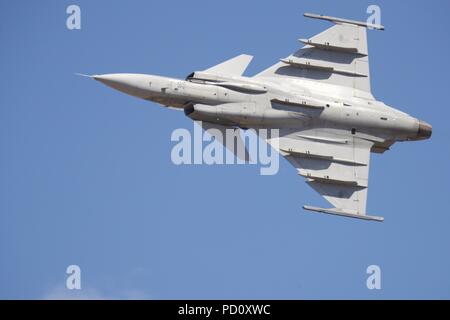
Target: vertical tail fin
[{"x": 235, "y": 66}]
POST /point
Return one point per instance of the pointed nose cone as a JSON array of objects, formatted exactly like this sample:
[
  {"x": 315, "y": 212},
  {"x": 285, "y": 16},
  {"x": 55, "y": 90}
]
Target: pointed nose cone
[
  {"x": 113, "y": 77},
  {"x": 117, "y": 81},
  {"x": 425, "y": 130},
  {"x": 132, "y": 84}
]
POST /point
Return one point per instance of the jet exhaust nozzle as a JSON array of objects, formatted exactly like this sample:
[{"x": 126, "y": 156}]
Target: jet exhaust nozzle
[{"x": 425, "y": 130}]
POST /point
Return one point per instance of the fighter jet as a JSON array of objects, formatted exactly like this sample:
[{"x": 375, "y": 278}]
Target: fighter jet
[{"x": 319, "y": 98}]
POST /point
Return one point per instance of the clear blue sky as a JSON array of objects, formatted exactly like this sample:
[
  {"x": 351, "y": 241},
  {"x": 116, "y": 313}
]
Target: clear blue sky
[{"x": 86, "y": 176}]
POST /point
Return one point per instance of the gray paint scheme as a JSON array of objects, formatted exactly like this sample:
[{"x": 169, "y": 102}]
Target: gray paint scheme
[{"x": 318, "y": 97}]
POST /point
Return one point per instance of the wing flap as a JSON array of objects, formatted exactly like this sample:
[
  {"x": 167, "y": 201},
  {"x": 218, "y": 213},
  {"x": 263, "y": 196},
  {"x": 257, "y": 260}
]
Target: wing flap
[{"x": 338, "y": 168}]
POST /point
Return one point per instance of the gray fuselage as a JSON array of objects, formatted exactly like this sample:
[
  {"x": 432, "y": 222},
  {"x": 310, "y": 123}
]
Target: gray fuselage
[{"x": 262, "y": 103}]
